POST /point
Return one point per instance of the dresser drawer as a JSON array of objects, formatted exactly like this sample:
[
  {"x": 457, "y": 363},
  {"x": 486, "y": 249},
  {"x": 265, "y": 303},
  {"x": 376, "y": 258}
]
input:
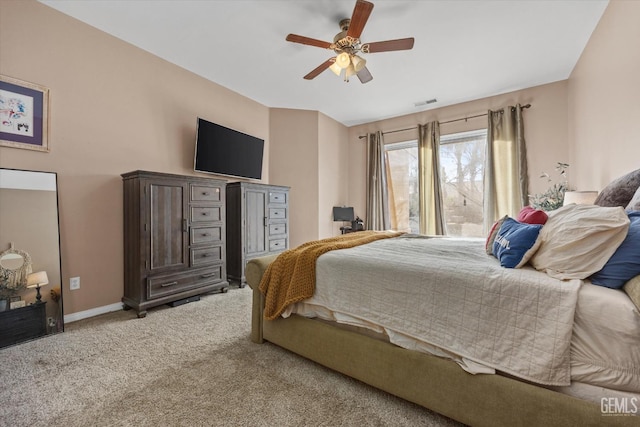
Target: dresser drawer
[
  {"x": 277, "y": 229},
  {"x": 276, "y": 245},
  {"x": 203, "y": 256},
  {"x": 201, "y": 193},
  {"x": 170, "y": 284},
  {"x": 277, "y": 213},
  {"x": 203, "y": 235},
  {"x": 277, "y": 197},
  {"x": 205, "y": 213}
]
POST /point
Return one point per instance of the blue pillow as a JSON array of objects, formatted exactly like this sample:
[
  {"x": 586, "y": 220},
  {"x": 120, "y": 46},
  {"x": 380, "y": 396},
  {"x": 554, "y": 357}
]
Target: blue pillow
[
  {"x": 516, "y": 243},
  {"x": 624, "y": 264}
]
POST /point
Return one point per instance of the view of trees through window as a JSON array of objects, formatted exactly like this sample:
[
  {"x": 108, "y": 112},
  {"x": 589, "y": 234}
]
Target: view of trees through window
[{"x": 462, "y": 158}]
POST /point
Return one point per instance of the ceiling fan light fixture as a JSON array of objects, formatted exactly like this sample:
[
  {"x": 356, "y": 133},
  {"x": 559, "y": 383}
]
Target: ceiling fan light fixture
[
  {"x": 358, "y": 62},
  {"x": 343, "y": 60},
  {"x": 347, "y": 46}
]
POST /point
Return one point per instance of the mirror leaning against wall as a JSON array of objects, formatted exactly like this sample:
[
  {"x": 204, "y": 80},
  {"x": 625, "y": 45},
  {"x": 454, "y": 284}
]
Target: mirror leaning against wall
[{"x": 30, "y": 272}]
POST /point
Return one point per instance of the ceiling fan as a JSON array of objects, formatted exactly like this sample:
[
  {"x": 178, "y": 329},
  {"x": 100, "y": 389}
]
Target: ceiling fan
[{"x": 346, "y": 44}]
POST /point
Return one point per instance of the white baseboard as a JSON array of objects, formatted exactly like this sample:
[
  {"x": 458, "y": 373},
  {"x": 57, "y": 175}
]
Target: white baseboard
[{"x": 74, "y": 317}]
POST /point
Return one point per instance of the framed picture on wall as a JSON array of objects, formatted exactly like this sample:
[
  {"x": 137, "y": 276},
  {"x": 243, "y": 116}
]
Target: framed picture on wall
[{"x": 24, "y": 115}]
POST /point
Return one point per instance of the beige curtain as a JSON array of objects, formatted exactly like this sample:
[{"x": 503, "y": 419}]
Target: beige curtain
[
  {"x": 377, "y": 201},
  {"x": 431, "y": 205},
  {"x": 506, "y": 178}
]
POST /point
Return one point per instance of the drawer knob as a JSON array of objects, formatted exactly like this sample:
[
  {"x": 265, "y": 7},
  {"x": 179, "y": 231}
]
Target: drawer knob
[
  {"x": 204, "y": 276},
  {"x": 205, "y": 234},
  {"x": 205, "y": 193}
]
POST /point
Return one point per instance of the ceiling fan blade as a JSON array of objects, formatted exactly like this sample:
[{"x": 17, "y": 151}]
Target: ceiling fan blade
[
  {"x": 364, "y": 75},
  {"x": 390, "y": 45},
  {"x": 359, "y": 18},
  {"x": 320, "y": 68},
  {"x": 308, "y": 41}
]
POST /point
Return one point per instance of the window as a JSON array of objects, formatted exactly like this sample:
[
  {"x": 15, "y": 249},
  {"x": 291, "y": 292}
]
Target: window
[
  {"x": 402, "y": 185},
  {"x": 462, "y": 158}
]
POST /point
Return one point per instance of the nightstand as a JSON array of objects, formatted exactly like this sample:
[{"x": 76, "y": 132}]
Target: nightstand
[{"x": 22, "y": 324}]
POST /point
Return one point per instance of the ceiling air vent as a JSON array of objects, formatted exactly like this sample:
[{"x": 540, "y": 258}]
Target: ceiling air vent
[{"x": 428, "y": 101}]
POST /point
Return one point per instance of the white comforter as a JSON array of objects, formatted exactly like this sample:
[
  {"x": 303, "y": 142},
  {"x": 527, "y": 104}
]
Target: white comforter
[{"x": 449, "y": 293}]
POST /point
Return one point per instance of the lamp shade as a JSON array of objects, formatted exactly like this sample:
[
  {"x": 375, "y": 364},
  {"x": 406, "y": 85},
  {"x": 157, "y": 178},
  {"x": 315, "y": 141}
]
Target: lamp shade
[
  {"x": 350, "y": 71},
  {"x": 37, "y": 279},
  {"x": 579, "y": 197},
  {"x": 336, "y": 69},
  {"x": 358, "y": 63},
  {"x": 343, "y": 60}
]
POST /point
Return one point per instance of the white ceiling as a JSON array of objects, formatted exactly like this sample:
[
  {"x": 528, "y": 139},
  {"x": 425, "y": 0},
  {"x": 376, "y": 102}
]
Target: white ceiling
[{"x": 464, "y": 50}]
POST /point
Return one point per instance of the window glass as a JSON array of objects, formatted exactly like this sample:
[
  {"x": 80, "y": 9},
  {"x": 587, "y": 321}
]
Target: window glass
[
  {"x": 402, "y": 183},
  {"x": 462, "y": 175}
]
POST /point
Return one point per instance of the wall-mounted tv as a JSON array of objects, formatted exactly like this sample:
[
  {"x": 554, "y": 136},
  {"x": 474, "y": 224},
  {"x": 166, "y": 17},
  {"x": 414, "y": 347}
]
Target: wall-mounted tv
[{"x": 225, "y": 151}]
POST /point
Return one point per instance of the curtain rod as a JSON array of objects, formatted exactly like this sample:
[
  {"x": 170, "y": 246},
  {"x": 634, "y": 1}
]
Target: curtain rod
[{"x": 448, "y": 121}]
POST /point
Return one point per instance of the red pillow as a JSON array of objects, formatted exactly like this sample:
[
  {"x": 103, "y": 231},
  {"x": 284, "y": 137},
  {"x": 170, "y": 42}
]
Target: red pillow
[{"x": 529, "y": 215}]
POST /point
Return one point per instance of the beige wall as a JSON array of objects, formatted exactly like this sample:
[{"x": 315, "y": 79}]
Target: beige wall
[
  {"x": 333, "y": 140},
  {"x": 604, "y": 100},
  {"x": 294, "y": 162},
  {"x": 114, "y": 108},
  {"x": 309, "y": 154},
  {"x": 545, "y": 132}
]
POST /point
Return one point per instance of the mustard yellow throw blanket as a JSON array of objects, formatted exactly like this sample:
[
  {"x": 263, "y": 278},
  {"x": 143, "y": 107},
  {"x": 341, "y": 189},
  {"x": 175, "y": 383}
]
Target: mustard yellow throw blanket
[{"x": 292, "y": 276}]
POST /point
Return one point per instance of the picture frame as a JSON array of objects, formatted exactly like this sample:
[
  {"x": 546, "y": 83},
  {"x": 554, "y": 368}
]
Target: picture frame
[
  {"x": 24, "y": 115},
  {"x": 17, "y": 304}
]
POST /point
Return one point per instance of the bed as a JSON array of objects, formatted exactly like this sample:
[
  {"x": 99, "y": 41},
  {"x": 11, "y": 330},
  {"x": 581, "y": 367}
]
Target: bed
[{"x": 591, "y": 375}]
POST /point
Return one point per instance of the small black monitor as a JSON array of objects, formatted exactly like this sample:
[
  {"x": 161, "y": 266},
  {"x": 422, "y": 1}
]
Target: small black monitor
[{"x": 343, "y": 214}]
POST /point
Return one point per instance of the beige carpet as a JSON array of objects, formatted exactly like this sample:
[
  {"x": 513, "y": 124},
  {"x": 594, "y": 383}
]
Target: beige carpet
[{"x": 191, "y": 365}]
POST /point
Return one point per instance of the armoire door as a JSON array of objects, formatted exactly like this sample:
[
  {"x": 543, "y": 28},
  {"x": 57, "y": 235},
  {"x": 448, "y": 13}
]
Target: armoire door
[
  {"x": 256, "y": 241},
  {"x": 167, "y": 225}
]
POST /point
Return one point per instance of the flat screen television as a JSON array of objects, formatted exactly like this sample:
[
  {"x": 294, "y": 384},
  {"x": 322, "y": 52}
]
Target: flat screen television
[{"x": 225, "y": 151}]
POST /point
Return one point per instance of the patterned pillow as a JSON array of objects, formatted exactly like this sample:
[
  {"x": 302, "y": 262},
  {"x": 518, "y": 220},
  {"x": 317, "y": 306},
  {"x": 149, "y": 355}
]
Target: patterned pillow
[
  {"x": 624, "y": 264},
  {"x": 620, "y": 191},
  {"x": 516, "y": 243}
]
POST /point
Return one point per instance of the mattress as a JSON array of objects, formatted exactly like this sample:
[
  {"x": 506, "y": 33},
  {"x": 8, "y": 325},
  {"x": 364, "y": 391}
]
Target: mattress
[
  {"x": 604, "y": 350},
  {"x": 605, "y": 345}
]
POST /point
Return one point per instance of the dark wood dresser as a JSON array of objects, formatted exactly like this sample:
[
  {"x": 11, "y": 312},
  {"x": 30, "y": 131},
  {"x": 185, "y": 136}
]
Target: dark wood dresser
[
  {"x": 174, "y": 238},
  {"x": 22, "y": 324},
  {"x": 257, "y": 224}
]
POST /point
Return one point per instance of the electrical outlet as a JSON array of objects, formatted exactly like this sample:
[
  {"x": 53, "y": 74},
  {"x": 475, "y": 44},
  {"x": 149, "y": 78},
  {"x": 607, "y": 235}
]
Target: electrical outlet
[{"x": 74, "y": 283}]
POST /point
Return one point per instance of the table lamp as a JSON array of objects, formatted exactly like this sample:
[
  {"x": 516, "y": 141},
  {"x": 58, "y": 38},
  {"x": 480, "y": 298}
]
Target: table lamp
[
  {"x": 580, "y": 197},
  {"x": 35, "y": 280}
]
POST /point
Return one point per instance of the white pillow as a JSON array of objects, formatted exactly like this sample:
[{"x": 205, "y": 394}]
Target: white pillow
[{"x": 578, "y": 240}]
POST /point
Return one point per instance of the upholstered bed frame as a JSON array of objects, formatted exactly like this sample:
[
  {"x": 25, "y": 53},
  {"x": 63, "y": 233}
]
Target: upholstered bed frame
[{"x": 434, "y": 383}]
